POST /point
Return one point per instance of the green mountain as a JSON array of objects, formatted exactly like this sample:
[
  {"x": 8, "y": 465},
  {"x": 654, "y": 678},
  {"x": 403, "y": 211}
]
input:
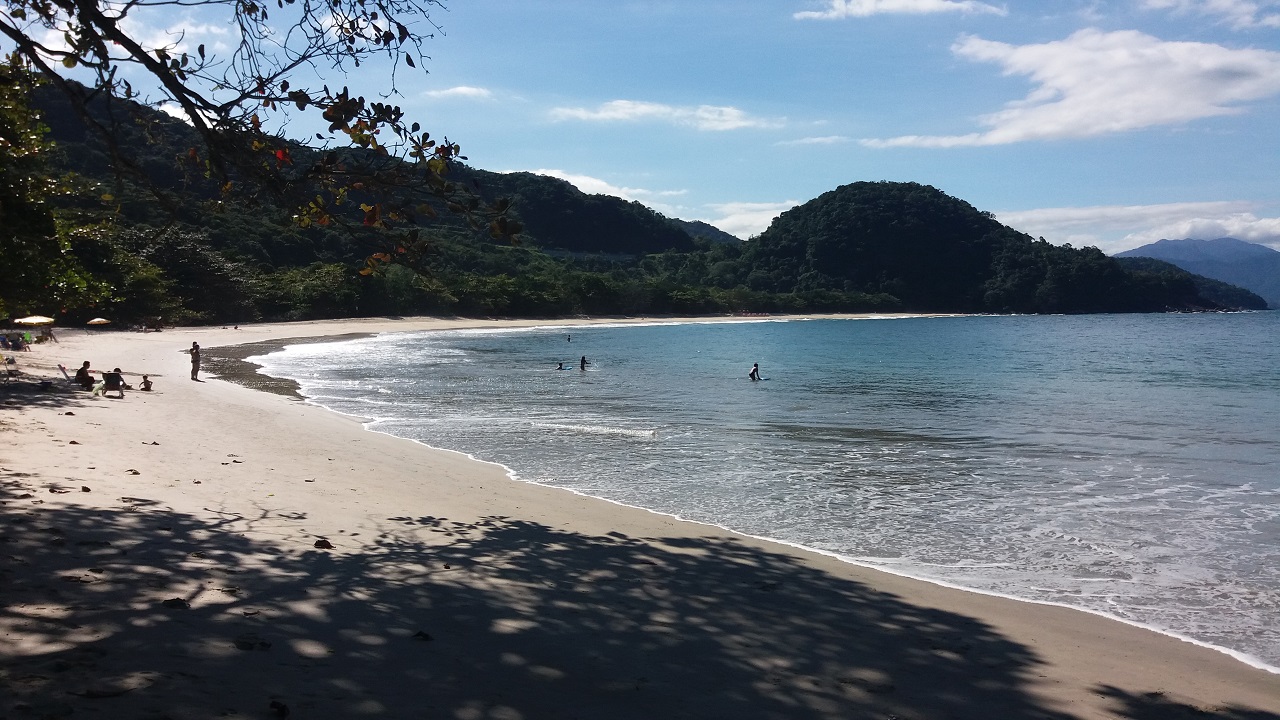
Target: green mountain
[
  {"x": 707, "y": 231},
  {"x": 559, "y": 216},
  {"x": 934, "y": 252},
  {"x": 868, "y": 246}
]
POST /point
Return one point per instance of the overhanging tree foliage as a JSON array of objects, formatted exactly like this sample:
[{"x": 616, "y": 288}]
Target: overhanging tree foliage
[
  {"x": 40, "y": 271},
  {"x": 371, "y": 156}
]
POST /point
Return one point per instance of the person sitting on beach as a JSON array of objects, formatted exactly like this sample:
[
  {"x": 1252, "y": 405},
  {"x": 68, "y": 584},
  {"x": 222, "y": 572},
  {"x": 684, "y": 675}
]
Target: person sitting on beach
[
  {"x": 84, "y": 376},
  {"x": 755, "y": 371},
  {"x": 145, "y": 385},
  {"x": 113, "y": 381}
]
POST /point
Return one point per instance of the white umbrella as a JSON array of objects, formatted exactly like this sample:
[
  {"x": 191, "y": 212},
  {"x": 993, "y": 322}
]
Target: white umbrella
[
  {"x": 34, "y": 320},
  {"x": 99, "y": 321}
]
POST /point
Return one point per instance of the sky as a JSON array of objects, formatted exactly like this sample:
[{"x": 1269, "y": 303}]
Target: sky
[{"x": 1105, "y": 123}]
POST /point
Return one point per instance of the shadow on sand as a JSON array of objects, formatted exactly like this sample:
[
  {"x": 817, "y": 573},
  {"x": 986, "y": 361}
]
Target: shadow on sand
[{"x": 141, "y": 612}]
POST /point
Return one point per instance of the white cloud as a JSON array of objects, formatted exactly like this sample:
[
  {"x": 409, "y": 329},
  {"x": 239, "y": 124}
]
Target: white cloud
[
  {"x": 183, "y": 35},
  {"x": 596, "y": 186},
  {"x": 1239, "y": 14},
  {"x": 174, "y": 110},
  {"x": 744, "y": 220},
  {"x": 1094, "y": 83},
  {"x": 152, "y": 31},
  {"x": 461, "y": 91},
  {"x": 702, "y": 117},
  {"x": 1241, "y": 226},
  {"x": 839, "y": 9},
  {"x": 824, "y": 140},
  {"x": 1115, "y": 228}
]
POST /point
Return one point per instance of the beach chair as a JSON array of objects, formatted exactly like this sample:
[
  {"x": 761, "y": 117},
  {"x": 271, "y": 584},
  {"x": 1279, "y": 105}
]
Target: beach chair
[
  {"x": 67, "y": 375},
  {"x": 11, "y": 370},
  {"x": 112, "y": 382}
]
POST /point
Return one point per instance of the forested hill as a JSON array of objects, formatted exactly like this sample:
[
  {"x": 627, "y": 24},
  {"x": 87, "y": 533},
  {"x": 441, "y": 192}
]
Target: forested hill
[
  {"x": 870, "y": 246},
  {"x": 559, "y": 216},
  {"x": 934, "y": 252},
  {"x": 555, "y": 214}
]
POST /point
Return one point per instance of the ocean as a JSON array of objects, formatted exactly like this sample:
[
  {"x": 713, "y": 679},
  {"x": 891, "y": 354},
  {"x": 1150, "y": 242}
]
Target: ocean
[{"x": 1127, "y": 465}]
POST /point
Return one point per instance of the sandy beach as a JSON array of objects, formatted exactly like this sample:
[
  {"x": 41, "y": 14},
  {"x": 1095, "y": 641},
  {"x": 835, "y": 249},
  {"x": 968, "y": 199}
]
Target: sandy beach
[{"x": 211, "y": 550}]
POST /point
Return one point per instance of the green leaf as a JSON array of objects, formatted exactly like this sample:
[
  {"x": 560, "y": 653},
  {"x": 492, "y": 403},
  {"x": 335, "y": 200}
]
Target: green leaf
[{"x": 69, "y": 61}]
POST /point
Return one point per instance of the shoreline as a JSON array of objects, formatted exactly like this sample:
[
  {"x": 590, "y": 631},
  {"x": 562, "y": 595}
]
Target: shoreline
[
  {"x": 449, "y": 590},
  {"x": 247, "y": 372}
]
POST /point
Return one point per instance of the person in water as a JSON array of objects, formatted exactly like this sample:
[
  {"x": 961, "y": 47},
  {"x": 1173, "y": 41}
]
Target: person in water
[
  {"x": 559, "y": 366},
  {"x": 755, "y": 371},
  {"x": 582, "y": 365}
]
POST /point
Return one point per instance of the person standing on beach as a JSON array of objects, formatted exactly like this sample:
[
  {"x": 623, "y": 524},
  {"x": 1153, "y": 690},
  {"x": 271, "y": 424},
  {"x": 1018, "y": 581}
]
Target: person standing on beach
[
  {"x": 195, "y": 360},
  {"x": 755, "y": 371}
]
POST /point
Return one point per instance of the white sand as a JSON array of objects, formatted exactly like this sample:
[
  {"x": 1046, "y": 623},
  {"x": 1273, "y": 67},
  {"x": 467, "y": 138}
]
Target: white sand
[{"x": 538, "y": 603}]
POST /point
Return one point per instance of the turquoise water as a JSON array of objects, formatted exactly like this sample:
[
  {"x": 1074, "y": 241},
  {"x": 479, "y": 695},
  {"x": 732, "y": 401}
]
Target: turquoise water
[{"x": 1127, "y": 465}]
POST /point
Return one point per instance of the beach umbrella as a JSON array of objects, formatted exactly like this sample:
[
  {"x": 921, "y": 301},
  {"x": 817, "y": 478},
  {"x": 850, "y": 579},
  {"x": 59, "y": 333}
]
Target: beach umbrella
[
  {"x": 34, "y": 320},
  {"x": 99, "y": 321}
]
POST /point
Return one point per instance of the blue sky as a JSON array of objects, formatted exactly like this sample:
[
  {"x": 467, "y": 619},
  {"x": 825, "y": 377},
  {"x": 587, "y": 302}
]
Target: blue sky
[
  {"x": 1096, "y": 123},
  {"x": 1108, "y": 123}
]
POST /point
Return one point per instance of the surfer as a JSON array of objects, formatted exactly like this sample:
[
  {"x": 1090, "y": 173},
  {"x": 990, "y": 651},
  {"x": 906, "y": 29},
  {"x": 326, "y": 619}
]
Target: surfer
[
  {"x": 755, "y": 371},
  {"x": 582, "y": 365},
  {"x": 559, "y": 366}
]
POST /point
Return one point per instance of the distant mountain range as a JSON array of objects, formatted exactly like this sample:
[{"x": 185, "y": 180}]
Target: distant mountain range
[{"x": 1249, "y": 265}]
